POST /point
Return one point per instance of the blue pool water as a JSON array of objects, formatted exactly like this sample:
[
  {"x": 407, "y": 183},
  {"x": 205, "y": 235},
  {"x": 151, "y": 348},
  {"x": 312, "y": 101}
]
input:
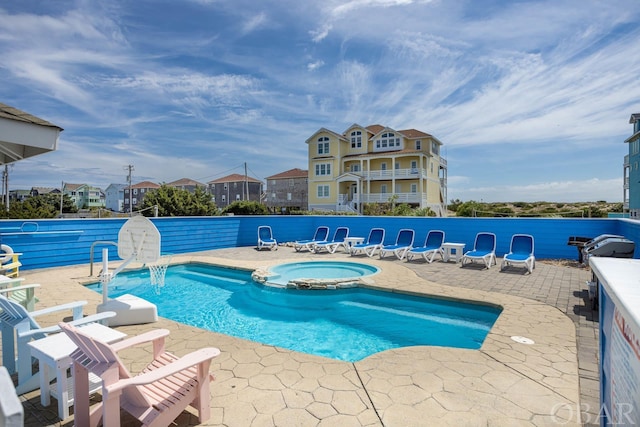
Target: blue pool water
[
  {"x": 283, "y": 273},
  {"x": 345, "y": 324}
]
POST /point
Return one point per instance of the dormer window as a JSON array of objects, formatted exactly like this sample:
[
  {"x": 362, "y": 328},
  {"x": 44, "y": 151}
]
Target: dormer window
[
  {"x": 356, "y": 139},
  {"x": 323, "y": 145},
  {"x": 388, "y": 140}
]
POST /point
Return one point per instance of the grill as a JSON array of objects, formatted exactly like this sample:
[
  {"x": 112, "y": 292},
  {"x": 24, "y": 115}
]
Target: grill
[{"x": 579, "y": 242}]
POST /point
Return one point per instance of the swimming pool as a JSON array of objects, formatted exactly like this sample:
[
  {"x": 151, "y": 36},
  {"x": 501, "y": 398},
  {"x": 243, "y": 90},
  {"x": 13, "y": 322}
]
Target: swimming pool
[{"x": 345, "y": 324}]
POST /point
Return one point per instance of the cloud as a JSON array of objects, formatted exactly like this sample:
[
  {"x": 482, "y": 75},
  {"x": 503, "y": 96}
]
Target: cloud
[
  {"x": 315, "y": 65},
  {"x": 589, "y": 190},
  {"x": 321, "y": 33},
  {"x": 255, "y": 22}
]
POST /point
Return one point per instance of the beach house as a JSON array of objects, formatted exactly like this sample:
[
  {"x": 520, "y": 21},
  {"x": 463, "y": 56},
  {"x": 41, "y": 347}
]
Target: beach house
[{"x": 376, "y": 164}]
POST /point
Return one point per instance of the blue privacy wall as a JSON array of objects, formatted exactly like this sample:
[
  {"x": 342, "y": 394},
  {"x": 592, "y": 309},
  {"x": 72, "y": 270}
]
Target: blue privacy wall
[{"x": 56, "y": 242}]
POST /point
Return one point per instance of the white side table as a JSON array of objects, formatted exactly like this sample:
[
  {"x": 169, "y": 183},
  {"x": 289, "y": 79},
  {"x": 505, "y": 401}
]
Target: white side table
[
  {"x": 54, "y": 352},
  {"x": 455, "y": 250},
  {"x": 351, "y": 241}
]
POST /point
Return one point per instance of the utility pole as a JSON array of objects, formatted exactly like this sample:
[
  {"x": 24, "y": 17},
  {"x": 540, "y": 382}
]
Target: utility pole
[
  {"x": 5, "y": 181},
  {"x": 130, "y": 168},
  {"x": 246, "y": 181}
]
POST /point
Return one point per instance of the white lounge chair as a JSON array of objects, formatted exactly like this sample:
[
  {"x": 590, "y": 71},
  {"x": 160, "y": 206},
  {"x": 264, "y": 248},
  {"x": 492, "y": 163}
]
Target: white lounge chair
[
  {"x": 321, "y": 235},
  {"x": 332, "y": 245},
  {"x": 432, "y": 247},
  {"x": 265, "y": 238},
  {"x": 374, "y": 242},
  {"x": 19, "y": 327},
  {"x": 520, "y": 253},
  {"x": 484, "y": 250},
  {"x": 404, "y": 242}
]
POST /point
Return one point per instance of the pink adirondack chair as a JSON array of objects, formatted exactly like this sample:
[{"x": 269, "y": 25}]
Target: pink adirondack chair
[{"x": 156, "y": 396}]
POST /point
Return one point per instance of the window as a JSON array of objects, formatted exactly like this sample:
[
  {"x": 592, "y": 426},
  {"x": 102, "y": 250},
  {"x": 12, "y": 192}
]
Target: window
[
  {"x": 273, "y": 195},
  {"x": 225, "y": 186},
  {"x": 418, "y": 145},
  {"x": 414, "y": 188},
  {"x": 291, "y": 182},
  {"x": 235, "y": 185},
  {"x": 356, "y": 139},
  {"x": 224, "y": 198},
  {"x": 135, "y": 191},
  {"x": 323, "y": 191},
  {"x": 383, "y": 188},
  {"x": 135, "y": 200},
  {"x": 383, "y": 166},
  {"x": 323, "y": 145},
  {"x": 237, "y": 197},
  {"x": 288, "y": 196},
  {"x": 397, "y": 165},
  {"x": 414, "y": 166},
  {"x": 273, "y": 182},
  {"x": 323, "y": 169},
  {"x": 355, "y": 168},
  {"x": 388, "y": 139},
  {"x": 435, "y": 148}
]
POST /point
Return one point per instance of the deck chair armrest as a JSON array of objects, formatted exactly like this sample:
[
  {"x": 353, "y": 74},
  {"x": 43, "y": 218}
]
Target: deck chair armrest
[
  {"x": 185, "y": 362},
  {"x": 140, "y": 339},
  {"x": 93, "y": 318},
  {"x": 4, "y": 280},
  {"x": 68, "y": 306},
  {"x": 19, "y": 288}
]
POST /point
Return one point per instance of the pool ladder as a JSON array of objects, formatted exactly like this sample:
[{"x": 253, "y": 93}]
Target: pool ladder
[{"x": 93, "y": 245}]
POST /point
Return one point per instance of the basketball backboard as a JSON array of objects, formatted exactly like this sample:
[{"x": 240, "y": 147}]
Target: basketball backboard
[{"x": 140, "y": 237}]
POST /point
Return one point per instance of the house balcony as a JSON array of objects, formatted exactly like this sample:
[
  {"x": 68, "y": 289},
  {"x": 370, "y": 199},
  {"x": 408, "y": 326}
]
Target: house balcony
[
  {"x": 387, "y": 174},
  {"x": 626, "y": 161},
  {"x": 626, "y": 183}
]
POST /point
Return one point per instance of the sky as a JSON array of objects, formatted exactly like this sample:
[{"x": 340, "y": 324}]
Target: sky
[{"x": 531, "y": 99}]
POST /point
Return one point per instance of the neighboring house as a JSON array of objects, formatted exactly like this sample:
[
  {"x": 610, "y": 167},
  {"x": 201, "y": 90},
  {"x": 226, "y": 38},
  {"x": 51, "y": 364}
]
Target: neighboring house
[
  {"x": 138, "y": 192},
  {"x": 39, "y": 191},
  {"x": 114, "y": 197},
  {"x": 19, "y": 195},
  {"x": 84, "y": 196},
  {"x": 287, "y": 191},
  {"x": 228, "y": 189},
  {"x": 376, "y": 164},
  {"x": 632, "y": 171},
  {"x": 187, "y": 184}
]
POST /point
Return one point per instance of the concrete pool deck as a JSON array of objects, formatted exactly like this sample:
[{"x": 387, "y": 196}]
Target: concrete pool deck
[{"x": 551, "y": 382}]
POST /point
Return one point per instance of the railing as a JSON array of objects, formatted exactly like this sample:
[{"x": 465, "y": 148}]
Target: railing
[
  {"x": 626, "y": 160},
  {"x": 93, "y": 245},
  {"x": 384, "y": 197},
  {"x": 386, "y": 174}
]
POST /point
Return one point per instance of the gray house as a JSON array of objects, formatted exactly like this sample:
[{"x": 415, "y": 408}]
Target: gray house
[
  {"x": 114, "y": 197},
  {"x": 287, "y": 191},
  {"x": 231, "y": 188}
]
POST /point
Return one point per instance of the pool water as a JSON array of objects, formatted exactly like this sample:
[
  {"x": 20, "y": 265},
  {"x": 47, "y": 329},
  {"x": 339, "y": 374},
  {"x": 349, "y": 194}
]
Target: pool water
[
  {"x": 346, "y": 324},
  {"x": 284, "y": 273}
]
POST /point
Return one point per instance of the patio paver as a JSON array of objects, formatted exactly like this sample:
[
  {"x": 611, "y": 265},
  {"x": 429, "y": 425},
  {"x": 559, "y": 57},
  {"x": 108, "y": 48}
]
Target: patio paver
[{"x": 504, "y": 383}]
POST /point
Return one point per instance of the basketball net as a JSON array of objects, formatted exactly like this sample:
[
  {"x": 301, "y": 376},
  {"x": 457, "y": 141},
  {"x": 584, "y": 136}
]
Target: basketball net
[{"x": 157, "y": 271}]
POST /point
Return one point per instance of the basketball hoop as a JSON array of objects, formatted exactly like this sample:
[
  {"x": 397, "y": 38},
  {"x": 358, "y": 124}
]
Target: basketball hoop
[{"x": 157, "y": 271}]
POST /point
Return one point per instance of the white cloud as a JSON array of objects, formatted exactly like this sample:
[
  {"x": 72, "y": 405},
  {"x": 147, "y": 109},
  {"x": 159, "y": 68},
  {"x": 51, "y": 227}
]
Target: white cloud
[
  {"x": 255, "y": 22},
  {"x": 590, "y": 190},
  {"x": 315, "y": 65},
  {"x": 321, "y": 33}
]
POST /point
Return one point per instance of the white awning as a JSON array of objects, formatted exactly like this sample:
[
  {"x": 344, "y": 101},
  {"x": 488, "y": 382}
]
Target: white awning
[{"x": 23, "y": 135}]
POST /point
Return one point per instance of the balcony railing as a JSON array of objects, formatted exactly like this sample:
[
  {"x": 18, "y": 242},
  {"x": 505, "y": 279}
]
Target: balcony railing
[
  {"x": 384, "y": 197},
  {"x": 410, "y": 173},
  {"x": 626, "y": 160}
]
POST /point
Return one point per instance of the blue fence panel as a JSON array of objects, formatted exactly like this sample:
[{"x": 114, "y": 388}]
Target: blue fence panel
[{"x": 48, "y": 243}]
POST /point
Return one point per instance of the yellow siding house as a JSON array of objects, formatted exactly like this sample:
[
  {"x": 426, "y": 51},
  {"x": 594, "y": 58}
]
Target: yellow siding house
[{"x": 376, "y": 164}]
